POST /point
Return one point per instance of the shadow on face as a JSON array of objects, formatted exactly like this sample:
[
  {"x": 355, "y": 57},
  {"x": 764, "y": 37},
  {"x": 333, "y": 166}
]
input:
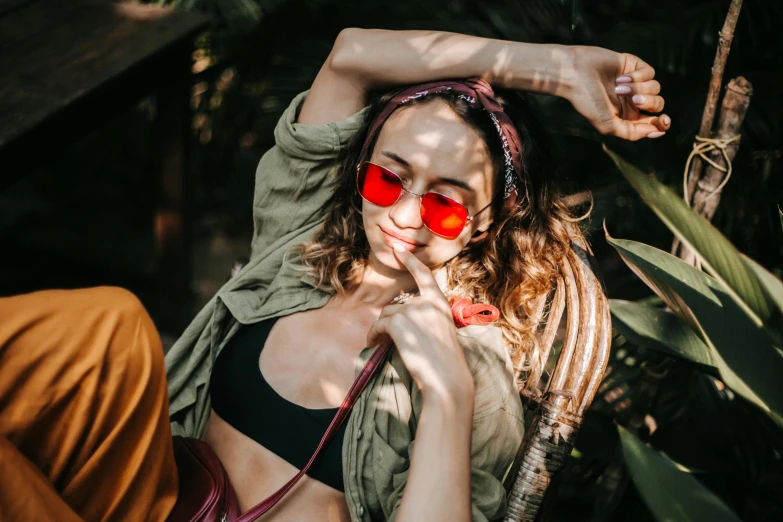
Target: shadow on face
[{"x": 431, "y": 148}]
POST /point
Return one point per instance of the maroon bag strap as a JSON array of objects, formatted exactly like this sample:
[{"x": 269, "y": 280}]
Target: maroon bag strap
[
  {"x": 370, "y": 368},
  {"x": 463, "y": 312}
]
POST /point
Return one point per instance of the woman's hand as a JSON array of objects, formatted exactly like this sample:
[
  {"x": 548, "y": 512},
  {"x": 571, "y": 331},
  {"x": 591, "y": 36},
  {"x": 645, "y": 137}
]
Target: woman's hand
[
  {"x": 438, "y": 480},
  {"x": 364, "y": 59},
  {"x": 425, "y": 336},
  {"x": 610, "y": 89}
]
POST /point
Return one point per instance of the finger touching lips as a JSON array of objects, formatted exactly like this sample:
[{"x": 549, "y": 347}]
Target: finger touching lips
[{"x": 421, "y": 273}]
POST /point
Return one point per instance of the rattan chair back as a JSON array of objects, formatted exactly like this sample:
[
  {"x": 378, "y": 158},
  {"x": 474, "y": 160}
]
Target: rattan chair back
[{"x": 560, "y": 403}]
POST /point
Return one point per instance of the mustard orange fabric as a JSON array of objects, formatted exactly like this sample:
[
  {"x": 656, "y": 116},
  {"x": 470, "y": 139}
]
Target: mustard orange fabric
[{"x": 84, "y": 426}]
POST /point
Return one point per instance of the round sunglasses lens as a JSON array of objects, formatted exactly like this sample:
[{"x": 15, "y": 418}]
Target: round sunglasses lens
[
  {"x": 443, "y": 215},
  {"x": 379, "y": 186}
]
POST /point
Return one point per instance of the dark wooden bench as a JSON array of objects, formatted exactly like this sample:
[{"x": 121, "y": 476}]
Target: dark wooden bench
[{"x": 68, "y": 67}]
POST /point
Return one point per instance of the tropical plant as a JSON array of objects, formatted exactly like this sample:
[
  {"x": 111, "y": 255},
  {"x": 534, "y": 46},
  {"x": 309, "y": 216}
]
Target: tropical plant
[{"x": 727, "y": 323}]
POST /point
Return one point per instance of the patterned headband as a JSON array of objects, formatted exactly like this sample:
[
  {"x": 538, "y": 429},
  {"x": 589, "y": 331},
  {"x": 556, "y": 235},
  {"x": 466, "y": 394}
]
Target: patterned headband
[{"x": 478, "y": 93}]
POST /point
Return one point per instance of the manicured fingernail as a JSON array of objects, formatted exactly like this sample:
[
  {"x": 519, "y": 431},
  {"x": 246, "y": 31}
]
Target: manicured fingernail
[
  {"x": 622, "y": 89},
  {"x": 624, "y": 79},
  {"x": 638, "y": 99},
  {"x": 666, "y": 120},
  {"x": 398, "y": 248},
  {"x": 656, "y": 134}
]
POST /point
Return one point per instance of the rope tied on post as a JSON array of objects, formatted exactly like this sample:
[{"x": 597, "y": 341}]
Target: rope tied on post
[{"x": 701, "y": 147}]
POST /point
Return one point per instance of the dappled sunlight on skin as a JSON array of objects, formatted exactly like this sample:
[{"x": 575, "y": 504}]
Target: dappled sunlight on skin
[
  {"x": 430, "y": 145},
  {"x": 321, "y": 376},
  {"x": 428, "y": 49},
  {"x": 331, "y": 391},
  {"x": 584, "y": 75},
  {"x": 549, "y": 80},
  {"x": 256, "y": 473},
  {"x": 422, "y": 144},
  {"x": 485, "y": 365}
]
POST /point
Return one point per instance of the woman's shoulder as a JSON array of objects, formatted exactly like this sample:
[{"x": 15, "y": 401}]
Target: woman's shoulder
[{"x": 293, "y": 182}]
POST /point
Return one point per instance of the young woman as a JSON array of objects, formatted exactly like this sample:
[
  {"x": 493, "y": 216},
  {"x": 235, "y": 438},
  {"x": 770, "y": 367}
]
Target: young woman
[{"x": 435, "y": 192}]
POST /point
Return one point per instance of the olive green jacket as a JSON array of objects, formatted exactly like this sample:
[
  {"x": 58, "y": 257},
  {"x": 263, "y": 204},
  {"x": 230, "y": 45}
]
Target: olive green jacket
[{"x": 294, "y": 180}]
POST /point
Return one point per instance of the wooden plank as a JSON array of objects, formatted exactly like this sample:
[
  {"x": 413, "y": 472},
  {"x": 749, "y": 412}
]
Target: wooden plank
[
  {"x": 85, "y": 62},
  {"x": 77, "y": 47}
]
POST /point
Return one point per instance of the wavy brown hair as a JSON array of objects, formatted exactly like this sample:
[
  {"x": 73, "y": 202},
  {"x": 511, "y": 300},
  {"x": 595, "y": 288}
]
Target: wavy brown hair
[{"x": 515, "y": 263}]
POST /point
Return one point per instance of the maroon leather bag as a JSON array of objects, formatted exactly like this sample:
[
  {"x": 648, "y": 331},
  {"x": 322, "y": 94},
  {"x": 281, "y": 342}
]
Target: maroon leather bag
[
  {"x": 204, "y": 490},
  {"x": 205, "y": 493}
]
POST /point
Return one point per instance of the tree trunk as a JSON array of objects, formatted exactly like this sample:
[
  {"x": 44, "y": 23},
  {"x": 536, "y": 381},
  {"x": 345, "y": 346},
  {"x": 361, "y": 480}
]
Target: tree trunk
[
  {"x": 733, "y": 110},
  {"x": 725, "y": 37},
  {"x": 705, "y": 199}
]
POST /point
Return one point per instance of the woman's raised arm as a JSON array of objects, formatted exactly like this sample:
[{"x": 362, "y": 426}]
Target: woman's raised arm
[{"x": 587, "y": 76}]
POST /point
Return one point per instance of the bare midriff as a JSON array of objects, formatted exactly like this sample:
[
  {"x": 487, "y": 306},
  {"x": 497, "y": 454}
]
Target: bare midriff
[
  {"x": 255, "y": 473},
  {"x": 309, "y": 359}
]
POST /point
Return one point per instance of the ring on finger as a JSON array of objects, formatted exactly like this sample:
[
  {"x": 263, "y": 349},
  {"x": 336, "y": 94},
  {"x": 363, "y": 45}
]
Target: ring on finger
[{"x": 400, "y": 299}]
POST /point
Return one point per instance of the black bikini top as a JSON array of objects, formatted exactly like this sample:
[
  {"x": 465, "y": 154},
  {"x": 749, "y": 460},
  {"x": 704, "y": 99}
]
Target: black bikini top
[{"x": 243, "y": 398}]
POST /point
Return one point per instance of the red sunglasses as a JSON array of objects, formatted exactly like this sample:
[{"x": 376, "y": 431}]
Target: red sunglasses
[{"x": 442, "y": 215}]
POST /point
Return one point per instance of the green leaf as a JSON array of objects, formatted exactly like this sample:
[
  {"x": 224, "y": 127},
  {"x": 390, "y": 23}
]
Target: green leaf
[
  {"x": 716, "y": 253},
  {"x": 745, "y": 354},
  {"x": 671, "y": 494},
  {"x": 662, "y": 331},
  {"x": 772, "y": 284}
]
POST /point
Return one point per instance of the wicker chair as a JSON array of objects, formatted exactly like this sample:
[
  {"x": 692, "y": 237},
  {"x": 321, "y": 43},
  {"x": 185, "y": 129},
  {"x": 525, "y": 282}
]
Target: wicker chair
[
  {"x": 560, "y": 405},
  {"x": 562, "y": 402}
]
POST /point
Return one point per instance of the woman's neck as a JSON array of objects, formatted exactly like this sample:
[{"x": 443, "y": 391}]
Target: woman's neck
[{"x": 377, "y": 288}]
